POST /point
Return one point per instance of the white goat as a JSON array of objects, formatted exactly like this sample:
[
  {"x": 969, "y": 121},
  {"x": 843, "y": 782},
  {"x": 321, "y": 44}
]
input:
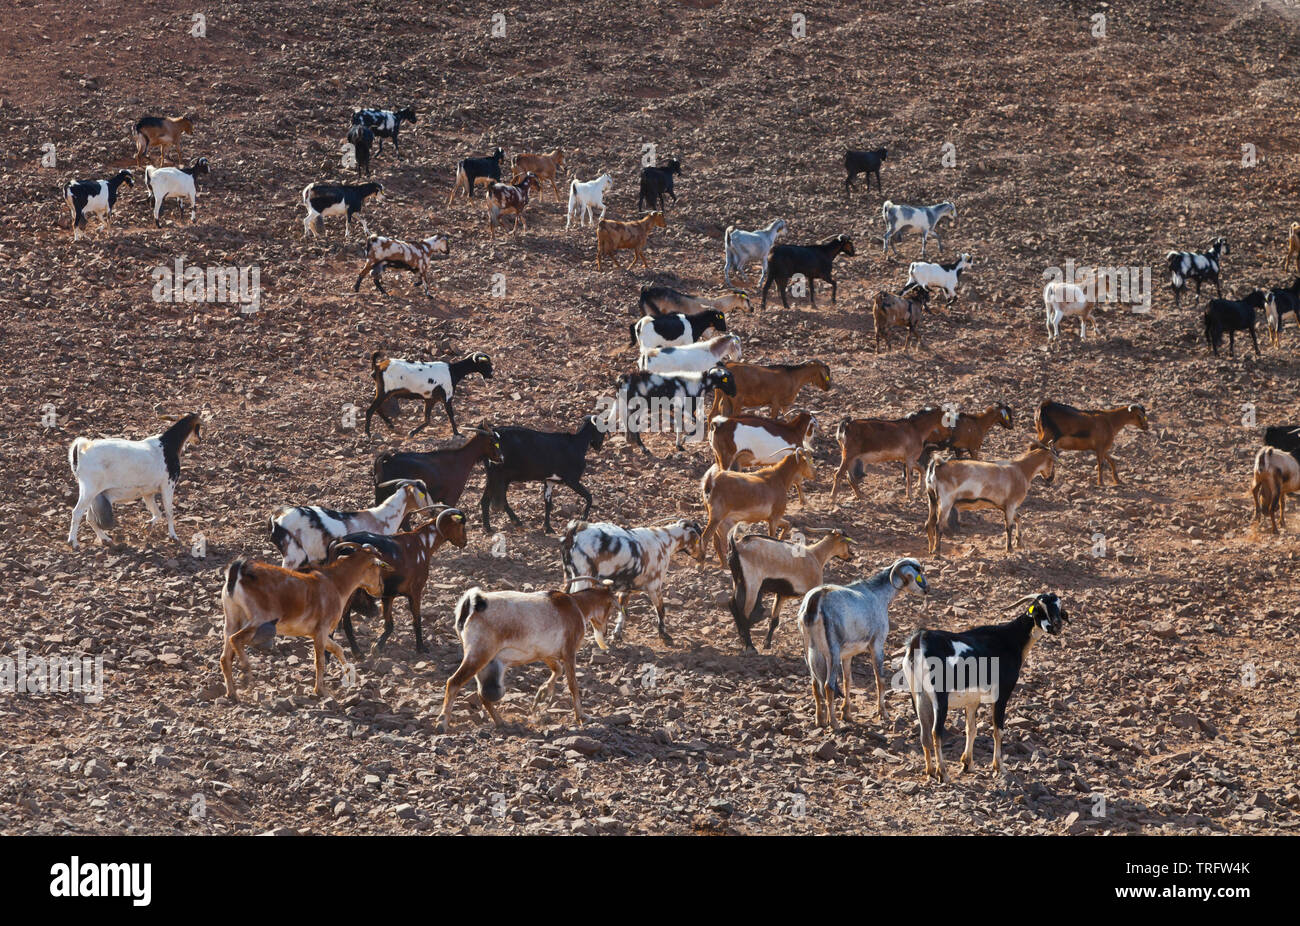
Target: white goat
[
  {"x": 742, "y": 248},
  {"x": 116, "y": 470},
  {"x": 586, "y": 197},
  {"x": 924, "y": 219},
  {"x": 165, "y": 182},
  {"x": 691, "y": 358},
  {"x": 1069, "y": 299},
  {"x": 939, "y": 276},
  {"x": 302, "y": 534}
]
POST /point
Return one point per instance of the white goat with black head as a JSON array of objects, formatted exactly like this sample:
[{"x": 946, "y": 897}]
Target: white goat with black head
[
  {"x": 839, "y": 622},
  {"x": 115, "y": 470},
  {"x": 303, "y": 534}
]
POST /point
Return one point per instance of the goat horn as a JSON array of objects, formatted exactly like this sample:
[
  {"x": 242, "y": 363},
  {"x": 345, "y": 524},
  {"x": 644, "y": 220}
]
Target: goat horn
[
  {"x": 569, "y": 584},
  {"x": 342, "y": 548},
  {"x": 1012, "y": 607}
]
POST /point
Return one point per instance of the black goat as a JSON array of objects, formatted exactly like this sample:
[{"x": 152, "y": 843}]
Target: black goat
[
  {"x": 1283, "y": 437},
  {"x": 471, "y": 170},
  {"x": 813, "y": 261},
  {"x": 863, "y": 162},
  {"x": 385, "y": 123},
  {"x": 655, "y": 182},
  {"x": 540, "y": 456},
  {"x": 361, "y": 138},
  {"x": 1227, "y": 315}
]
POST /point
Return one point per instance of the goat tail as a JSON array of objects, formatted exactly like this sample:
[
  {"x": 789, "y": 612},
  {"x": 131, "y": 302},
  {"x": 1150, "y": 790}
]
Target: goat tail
[
  {"x": 740, "y": 592},
  {"x": 234, "y": 573},
  {"x": 631, "y": 330},
  {"x": 913, "y": 667},
  {"x": 75, "y": 451},
  {"x": 815, "y": 627}
]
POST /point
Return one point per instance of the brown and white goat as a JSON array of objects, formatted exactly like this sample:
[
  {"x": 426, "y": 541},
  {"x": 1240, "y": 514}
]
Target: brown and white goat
[
  {"x": 510, "y": 199},
  {"x": 968, "y": 485},
  {"x": 384, "y": 252},
  {"x": 1276, "y": 474},
  {"x": 544, "y": 166},
  {"x": 161, "y": 132},
  {"x": 738, "y": 498},
  {"x": 1067, "y": 428},
  {"x": 498, "y": 630},
  {"x": 751, "y": 440},
  {"x": 787, "y": 568},
  {"x": 295, "y": 604},
  {"x": 883, "y": 440},
  {"x": 613, "y": 236},
  {"x": 773, "y": 385},
  {"x": 896, "y": 311},
  {"x": 408, "y": 556}
]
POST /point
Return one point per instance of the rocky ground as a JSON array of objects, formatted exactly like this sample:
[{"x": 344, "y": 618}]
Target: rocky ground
[{"x": 1166, "y": 707}]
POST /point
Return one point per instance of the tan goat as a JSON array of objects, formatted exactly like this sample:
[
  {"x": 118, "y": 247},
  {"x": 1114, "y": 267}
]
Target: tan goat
[
  {"x": 1292, "y": 248},
  {"x": 969, "y": 485},
  {"x": 1276, "y": 474},
  {"x": 894, "y": 311},
  {"x": 544, "y": 166},
  {"x": 612, "y": 236},
  {"x": 161, "y": 133}
]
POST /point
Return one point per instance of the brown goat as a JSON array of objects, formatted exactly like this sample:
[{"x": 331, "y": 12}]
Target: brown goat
[
  {"x": 1276, "y": 474},
  {"x": 1292, "y": 248},
  {"x": 760, "y": 495},
  {"x": 612, "y": 236},
  {"x": 774, "y": 385},
  {"x": 1067, "y": 428},
  {"x": 882, "y": 440},
  {"x": 890, "y": 310},
  {"x": 295, "y": 604},
  {"x": 968, "y": 433},
  {"x": 161, "y": 133},
  {"x": 545, "y": 166}
]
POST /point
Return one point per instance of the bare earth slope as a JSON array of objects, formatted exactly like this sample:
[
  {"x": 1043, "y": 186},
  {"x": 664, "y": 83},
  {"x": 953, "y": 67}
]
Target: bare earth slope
[{"x": 1167, "y": 706}]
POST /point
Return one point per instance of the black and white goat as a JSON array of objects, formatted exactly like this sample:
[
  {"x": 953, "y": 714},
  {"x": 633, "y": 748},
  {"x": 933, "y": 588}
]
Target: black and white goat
[
  {"x": 663, "y": 402},
  {"x": 164, "y": 183},
  {"x": 932, "y": 276},
  {"x": 924, "y": 219},
  {"x": 403, "y": 379},
  {"x": 345, "y": 199},
  {"x": 676, "y": 330},
  {"x": 1192, "y": 267},
  {"x": 547, "y": 457},
  {"x": 384, "y": 123},
  {"x": 93, "y": 197},
  {"x": 634, "y": 559},
  {"x": 112, "y": 469},
  {"x": 303, "y": 533},
  {"x": 1230, "y": 316},
  {"x": 977, "y": 666}
]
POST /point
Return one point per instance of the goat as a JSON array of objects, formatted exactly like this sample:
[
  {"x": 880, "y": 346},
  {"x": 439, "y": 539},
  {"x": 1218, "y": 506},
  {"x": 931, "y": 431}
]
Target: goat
[
  {"x": 345, "y": 199},
  {"x": 924, "y": 219},
  {"x": 586, "y": 197},
  {"x": 813, "y": 262},
  {"x": 691, "y": 358},
  {"x": 745, "y": 497},
  {"x": 295, "y": 604},
  {"x": 1292, "y": 248},
  {"x": 973, "y": 667},
  {"x": 1231, "y": 316},
  {"x": 112, "y": 469},
  {"x": 899, "y": 311},
  {"x": 1283, "y": 437},
  {"x": 968, "y": 432},
  {"x": 443, "y": 472},
  {"x": 652, "y": 332},
  {"x": 540, "y": 456},
  {"x": 543, "y": 166},
  {"x": 498, "y": 630},
  {"x": 662, "y": 402},
  {"x": 754, "y": 440},
  {"x": 884, "y": 440},
  {"x": 788, "y": 569},
  {"x": 164, "y": 182},
  {"x": 384, "y": 123},
  {"x": 408, "y": 556},
  {"x": 303, "y": 533},
  {"x": 469, "y": 171},
  {"x": 969, "y": 485},
  {"x": 361, "y": 138},
  {"x": 1276, "y": 474},
  {"x": 741, "y": 248},
  {"x": 863, "y": 162},
  {"x": 510, "y": 199},
  {"x": 612, "y": 236},
  {"x": 634, "y": 560},
  {"x": 403, "y": 379},
  {"x": 161, "y": 132},
  {"x": 1277, "y": 303},
  {"x": 1069, "y": 299},
  {"x": 938, "y": 276},
  {"x": 1064, "y": 427},
  {"x": 93, "y": 197},
  {"x": 1192, "y": 267},
  {"x": 655, "y": 182},
  {"x": 838, "y": 622},
  {"x": 384, "y": 252},
  {"x": 664, "y": 300},
  {"x": 775, "y": 386}
]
